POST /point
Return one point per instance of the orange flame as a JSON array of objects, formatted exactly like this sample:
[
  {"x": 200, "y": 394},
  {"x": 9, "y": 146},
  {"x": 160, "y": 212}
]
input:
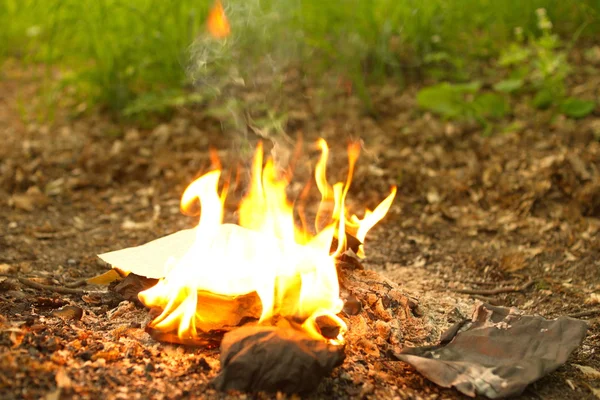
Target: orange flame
[
  {"x": 265, "y": 267},
  {"x": 217, "y": 23}
]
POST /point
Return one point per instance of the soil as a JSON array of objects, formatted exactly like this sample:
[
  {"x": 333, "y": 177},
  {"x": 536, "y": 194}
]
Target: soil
[{"x": 471, "y": 212}]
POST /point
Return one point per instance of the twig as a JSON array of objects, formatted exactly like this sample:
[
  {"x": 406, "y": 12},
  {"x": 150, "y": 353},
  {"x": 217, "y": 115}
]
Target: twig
[
  {"x": 489, "y": 300},
  {"x": 75, "y": 284},
  {"x": 491, "y": 292},
  {"x": 57, "y": 289},
  {"x": 585, "y": 313}
]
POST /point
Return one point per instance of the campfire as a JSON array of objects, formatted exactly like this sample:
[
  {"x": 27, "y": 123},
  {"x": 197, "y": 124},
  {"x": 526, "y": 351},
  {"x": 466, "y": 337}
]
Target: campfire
[
  {"x": 267, "y": 268},
  {"x": 270, "y": 270}
]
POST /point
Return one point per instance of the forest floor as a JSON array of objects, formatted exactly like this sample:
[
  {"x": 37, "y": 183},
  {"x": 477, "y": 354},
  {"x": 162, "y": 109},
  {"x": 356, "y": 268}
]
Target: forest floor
[{"x": 471, "y": 212}]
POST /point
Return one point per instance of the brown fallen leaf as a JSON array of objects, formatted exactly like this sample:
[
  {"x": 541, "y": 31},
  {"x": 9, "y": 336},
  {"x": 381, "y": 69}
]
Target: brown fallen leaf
[
  {"x": 30, "y": 200},
  {"x": 132, "y": 285},
  {"x": 62, "y": 379},
  {"x": 513, "y": 262},
  {"x": 105, "y": 278},
  {"x": 69, "y": 313},
  {"x": 588, "y": 371},
  {"x": 16, "y": 337},
  {"x": 595, "y": 391},
  {"x": 53, "y": 395},
  {"x": 128, "y": 224},
  {"x": 593, "y": 299}
]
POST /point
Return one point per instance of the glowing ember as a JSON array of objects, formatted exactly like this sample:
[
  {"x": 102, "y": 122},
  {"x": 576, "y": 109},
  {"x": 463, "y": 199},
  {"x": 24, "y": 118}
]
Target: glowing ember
[{"x": 266, "y": 267}]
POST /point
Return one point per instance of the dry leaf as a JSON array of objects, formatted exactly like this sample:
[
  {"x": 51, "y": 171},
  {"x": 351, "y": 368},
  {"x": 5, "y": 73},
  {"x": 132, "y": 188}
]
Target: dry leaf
[
  {"x": 62, "y": 379},
  {"x": 533, "y": 252},
  {"x": 569, "y": 256},
  {"x": 588, "y": 371},
  {"x": 69, "y": 313},
  {"x": 53, "y": 395},
  {"x": 105, "y": 278},
  {"x": 433, "y": 197},
  {"x": 128, "y": 224},
  {"x": 29, "y": 201},
  {"x": 513, "y": 262},
  {"x": 595, "y": 391},
  {"x": 16, "y": 338},
  {"x": 593, "y": 299},
  {"x": 22, "y": 202},
  {"x": 5, "y": 268}
]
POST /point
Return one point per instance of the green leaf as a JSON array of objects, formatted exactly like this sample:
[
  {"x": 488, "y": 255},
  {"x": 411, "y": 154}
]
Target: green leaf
[
  {"x": 491, "y": 105},
  {"x": 577, "y": 108},
  {"x": 437, "y": 57},
  {"x": 469, "y": 87},
  {"x": 508, "y": 85},
  {"x": 543, "y": 99},
  {"x": 160, "y": 102},
  {"x": 515, "y": 54},
  {"x": 443, "y": 99}
]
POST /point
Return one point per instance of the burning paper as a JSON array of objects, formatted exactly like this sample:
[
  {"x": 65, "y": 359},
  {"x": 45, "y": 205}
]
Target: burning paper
[
  {"x": 205, "y": 271},
  {"x": 251, "y": 358}
]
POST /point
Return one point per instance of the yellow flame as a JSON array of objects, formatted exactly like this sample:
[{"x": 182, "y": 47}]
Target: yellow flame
[
  {"x": 266, "y": 266},
  {"x": 217, "y": 23}
]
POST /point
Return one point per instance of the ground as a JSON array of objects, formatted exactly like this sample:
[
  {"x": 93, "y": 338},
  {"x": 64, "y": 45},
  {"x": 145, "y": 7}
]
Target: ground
[{"x": 472, "y": 212}]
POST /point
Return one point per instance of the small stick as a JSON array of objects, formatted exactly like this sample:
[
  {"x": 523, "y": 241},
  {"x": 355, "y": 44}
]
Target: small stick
[
  {"x": 585, "y": 313},
  {"x": 74, "y": 284},
  {"x": 491, "y": 292},
  {"x": 489, "y": 300},
  {"x": 481, "y": 283},
  {"x": 57, "y": 289}
]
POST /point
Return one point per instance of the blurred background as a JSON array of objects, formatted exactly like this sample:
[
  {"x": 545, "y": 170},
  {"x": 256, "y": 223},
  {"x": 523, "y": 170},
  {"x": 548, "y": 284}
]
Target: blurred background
[{"x": 147, "y": 57}]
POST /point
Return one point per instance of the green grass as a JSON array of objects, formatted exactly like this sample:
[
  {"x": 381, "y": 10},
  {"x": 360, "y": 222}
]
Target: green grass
[
  {"x": 116, "y": 52},
  {"x": 113, "y": 50}
]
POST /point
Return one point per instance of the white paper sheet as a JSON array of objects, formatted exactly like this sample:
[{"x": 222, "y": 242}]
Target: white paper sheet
[{"x": 150, "y": 259}]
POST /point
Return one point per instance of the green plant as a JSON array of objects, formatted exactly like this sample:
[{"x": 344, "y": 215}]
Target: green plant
[
  {"x": 135, "y": 54},
  {"x": 541, "y": 65},
  {"x": 110, "y": 51},
  {"x": 537, "y": 64},
  {"x": 464, "y": 101}
]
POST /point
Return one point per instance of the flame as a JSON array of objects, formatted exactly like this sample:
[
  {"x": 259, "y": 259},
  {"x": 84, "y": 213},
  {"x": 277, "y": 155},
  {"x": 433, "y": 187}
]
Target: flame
[
  {"x": 217, "y": 23},
  {"x": 265, "y": 268}
]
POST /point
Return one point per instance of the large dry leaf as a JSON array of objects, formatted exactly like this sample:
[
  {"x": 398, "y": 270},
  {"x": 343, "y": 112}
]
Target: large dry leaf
[{"x": 105, "y": 278}]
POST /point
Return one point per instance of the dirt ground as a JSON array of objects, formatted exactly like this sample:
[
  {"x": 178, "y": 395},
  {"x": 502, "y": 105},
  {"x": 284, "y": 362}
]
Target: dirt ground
[{"x": 471, "y": 212}]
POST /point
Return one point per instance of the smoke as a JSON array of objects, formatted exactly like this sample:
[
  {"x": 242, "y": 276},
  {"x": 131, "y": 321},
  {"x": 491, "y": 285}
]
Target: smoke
[{"x": 244, "y": 73}]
